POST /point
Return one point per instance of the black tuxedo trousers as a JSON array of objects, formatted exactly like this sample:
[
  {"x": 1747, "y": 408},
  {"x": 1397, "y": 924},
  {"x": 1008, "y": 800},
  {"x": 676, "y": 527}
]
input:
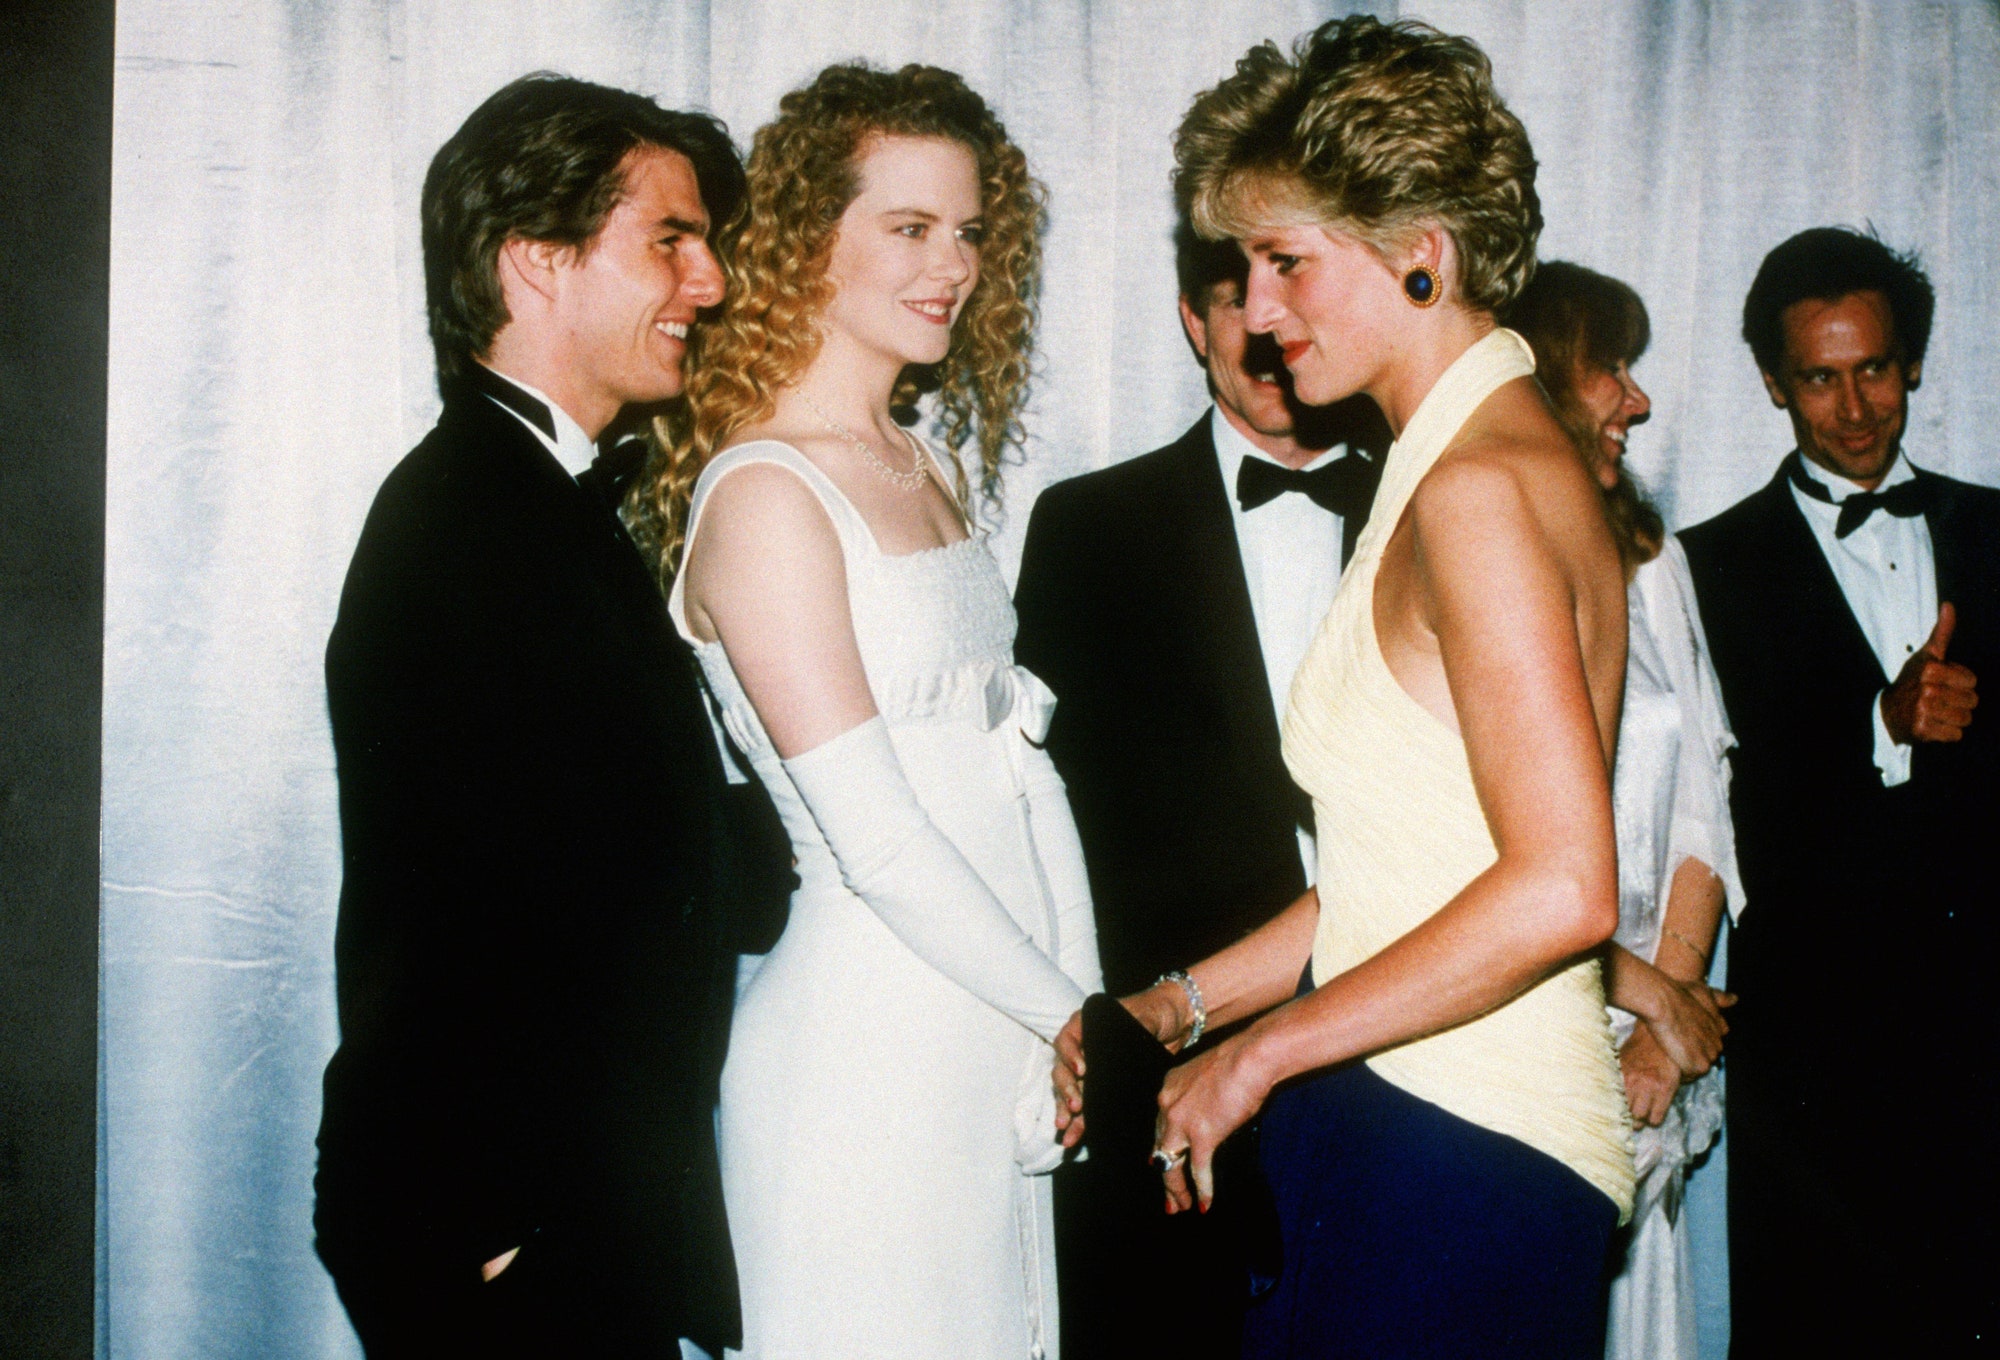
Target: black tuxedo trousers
[
  {"x": 1860, "y": 1059},
  {"x": 543, "y": 868}
]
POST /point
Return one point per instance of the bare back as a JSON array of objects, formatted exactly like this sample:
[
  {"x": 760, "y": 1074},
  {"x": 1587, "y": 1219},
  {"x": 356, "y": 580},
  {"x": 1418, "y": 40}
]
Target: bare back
[{"x": 1502, "y": 587}]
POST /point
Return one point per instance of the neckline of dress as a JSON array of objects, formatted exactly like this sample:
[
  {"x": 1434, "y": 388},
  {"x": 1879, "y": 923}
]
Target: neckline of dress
[
  {"x": 867, "y": 530},
  {"x": 1496, "y": 358}
]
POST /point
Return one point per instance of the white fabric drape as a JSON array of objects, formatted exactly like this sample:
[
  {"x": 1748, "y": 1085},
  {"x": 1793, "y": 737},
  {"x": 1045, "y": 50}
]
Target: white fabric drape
[{"x": 269, "y": 364}]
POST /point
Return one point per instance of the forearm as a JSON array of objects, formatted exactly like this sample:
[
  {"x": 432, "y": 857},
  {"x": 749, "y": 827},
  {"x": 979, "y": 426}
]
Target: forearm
[
  {"x": 1506, "y": 931},
  {"x": 1690, "y": 922},
  {"x": 1631, "y": 983},
  {"x": 895, "y": 859},
  {"x": 1262, "y": 969}
]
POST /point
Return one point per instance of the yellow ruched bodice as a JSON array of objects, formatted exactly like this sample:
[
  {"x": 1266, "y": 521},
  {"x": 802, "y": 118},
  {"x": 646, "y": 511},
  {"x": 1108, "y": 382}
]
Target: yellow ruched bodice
[{"x": 1401, "y": 833}]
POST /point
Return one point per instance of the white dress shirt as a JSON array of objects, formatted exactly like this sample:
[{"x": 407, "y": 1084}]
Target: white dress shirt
[
  {"x": 1888, "y": 573},
  {"x": 1291, "y": 562},
  {"x": 574, "y": 449}
]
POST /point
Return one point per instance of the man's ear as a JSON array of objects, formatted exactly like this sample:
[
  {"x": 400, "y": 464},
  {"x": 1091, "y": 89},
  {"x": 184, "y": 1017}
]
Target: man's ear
[
  {"x": 1196, "y": 326},
  {"x": 531, "y": 265},
  {"x": 1777, "y": 392},
  {"x": 1913, "y": 376}
]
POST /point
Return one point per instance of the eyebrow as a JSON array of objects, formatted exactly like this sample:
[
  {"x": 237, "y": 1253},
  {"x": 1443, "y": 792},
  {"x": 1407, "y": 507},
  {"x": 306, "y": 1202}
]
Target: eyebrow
[{"x": 685, "y": 225}]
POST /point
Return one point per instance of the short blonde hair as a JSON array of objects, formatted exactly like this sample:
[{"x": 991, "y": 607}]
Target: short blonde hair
[{"x": 1376, "y": 130}]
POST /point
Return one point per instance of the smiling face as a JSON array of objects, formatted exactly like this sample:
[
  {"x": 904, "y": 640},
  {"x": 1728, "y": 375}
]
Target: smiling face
[
  {"x": 1844, "y": 384},
  {"x": 1329, "y": 301},
  {"x": 627, "y": 299},
  {"x": 1247, "y": 377},
  {"x": 630, "y": 296},
  {"x": 1611, "y": 403},
  {"x": 906, "y": 253}
]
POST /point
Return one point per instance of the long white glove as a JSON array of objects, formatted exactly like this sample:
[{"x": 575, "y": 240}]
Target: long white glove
[
  {"x": 1061, "y": 857},
  {"x": 896, "y": 860}
]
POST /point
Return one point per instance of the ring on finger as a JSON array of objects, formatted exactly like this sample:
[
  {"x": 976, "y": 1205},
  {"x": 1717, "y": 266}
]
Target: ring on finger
[{"x": 1164, "y": 1161}]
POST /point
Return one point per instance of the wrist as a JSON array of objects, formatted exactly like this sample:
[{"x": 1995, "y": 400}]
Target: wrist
[
  {"x": 1190, "y": 1011},
  {"x": 1260, "y": 1060},
  {"x": 1645, "y": 990}
]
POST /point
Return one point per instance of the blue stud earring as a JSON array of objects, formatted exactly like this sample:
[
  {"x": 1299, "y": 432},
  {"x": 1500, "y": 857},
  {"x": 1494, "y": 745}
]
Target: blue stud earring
[{"x": 1422, "y": 285}]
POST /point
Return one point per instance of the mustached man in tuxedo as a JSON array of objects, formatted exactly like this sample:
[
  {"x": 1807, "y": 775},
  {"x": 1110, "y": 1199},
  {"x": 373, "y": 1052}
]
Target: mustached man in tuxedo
[
  {"x": 1167, "y": 601},
  {"x": 546, "y": 872},
  {"x": 1853, "y": 610}
]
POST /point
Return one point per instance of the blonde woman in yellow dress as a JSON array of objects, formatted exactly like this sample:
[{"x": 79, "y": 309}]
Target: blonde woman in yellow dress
[
  {"x": 886, "y": 1115},
  {"x": 1442, "y": 1119}
]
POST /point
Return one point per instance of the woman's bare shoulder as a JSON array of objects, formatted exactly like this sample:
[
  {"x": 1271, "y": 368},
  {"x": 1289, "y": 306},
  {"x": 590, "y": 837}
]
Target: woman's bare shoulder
[{"x": 761, "y": 512}]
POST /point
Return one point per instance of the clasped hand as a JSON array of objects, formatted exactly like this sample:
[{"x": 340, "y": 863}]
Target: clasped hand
[
  {"x": 1153, "y": 1008},
  {"x": 1203, "y": 1101},
  {"x": 1678, "y": 1039}
]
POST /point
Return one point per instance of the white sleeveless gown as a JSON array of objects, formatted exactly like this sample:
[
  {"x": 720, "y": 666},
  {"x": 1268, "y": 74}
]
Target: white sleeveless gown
[{"x": 880, "y": 1124}]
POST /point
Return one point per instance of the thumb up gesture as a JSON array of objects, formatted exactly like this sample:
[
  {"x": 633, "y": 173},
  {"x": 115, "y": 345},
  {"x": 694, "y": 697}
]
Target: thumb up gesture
[{"x": 1933, "y": 699}]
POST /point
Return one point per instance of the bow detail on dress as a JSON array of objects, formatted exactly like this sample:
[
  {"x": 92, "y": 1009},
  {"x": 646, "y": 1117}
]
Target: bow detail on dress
[{"x": 1016, "y": 694}]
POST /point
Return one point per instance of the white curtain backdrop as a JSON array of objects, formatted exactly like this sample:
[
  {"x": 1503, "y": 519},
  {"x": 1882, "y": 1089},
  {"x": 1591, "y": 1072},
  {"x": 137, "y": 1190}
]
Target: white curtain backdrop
[{"x": 269, "y": 365}]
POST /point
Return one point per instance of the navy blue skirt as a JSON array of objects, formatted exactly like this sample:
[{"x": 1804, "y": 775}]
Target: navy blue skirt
[{"x": 1410, "y": 1232}]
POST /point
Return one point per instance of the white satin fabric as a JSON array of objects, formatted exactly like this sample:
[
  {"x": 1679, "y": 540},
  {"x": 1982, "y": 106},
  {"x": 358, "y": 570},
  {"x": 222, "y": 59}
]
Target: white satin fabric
[{"x": 1670, "y": 794}]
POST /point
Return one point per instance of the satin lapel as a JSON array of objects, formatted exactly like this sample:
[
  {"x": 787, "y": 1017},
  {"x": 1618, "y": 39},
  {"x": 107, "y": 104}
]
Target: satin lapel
[
  {"x": 1947, "y": 545},
  {"x": 598, "y": 531},
  {"x": 1816, "y": 595},
  {"x": 1218, "y": 597}
]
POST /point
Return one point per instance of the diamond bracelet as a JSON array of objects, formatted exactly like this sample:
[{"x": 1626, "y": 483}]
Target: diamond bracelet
[{"x": 1188, "y": 985}]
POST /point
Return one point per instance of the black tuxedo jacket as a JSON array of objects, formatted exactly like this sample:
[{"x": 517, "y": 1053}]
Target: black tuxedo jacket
[
  {"x": 1860, "y": 1055},
  {"x": 1824, "y": 848},
  {"x": 1134, "y": 609},
  {"x": 543, "y": 870}
]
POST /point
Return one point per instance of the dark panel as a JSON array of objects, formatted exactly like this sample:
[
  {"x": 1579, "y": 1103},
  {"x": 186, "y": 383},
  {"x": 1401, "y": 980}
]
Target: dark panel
[{"x": 55, "y": 196}]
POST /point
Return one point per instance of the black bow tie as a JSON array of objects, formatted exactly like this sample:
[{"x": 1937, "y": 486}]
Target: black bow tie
[
  {"x": 1903, "y": 500},
  {"x": 612, "y": 471},
  {"x": 1345, "y": 486}
]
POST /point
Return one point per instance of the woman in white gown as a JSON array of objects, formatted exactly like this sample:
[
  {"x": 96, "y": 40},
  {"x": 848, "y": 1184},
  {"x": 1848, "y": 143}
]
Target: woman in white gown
[
  {"x": 1676, "y": 849},
  {"x": 886, "y": 1109}
]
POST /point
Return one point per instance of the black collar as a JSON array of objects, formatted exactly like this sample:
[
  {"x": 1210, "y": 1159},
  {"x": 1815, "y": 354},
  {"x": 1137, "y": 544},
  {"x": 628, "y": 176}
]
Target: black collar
[{"x": 510, "y": 395}]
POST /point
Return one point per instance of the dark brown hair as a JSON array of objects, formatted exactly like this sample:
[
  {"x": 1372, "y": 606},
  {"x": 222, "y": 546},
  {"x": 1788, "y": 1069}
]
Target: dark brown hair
[
  {"x": 543, "y": 159},
  {"x": 1830, "y": 262}
]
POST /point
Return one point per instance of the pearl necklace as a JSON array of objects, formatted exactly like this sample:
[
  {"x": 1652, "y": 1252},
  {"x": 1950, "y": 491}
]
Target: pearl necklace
[{"x": 905, "y": 481}]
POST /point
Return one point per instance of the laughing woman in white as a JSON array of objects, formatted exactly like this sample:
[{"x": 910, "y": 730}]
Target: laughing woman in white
[
  {"x": 1676, "y": 847},
  {"x": 886, "y": 1111}
]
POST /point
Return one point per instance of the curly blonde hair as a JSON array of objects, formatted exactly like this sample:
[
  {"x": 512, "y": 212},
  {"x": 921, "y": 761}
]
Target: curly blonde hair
[
  {"x": 804, "y": 172},
  {"x": 1376, "y": 130}
]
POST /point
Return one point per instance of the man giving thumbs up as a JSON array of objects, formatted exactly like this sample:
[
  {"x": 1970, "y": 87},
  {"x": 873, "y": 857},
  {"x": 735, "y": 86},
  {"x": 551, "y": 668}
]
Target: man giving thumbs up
[{"x": 1862, "y": 1059}]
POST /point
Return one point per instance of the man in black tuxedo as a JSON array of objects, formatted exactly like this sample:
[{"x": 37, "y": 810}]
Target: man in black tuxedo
[
  {"x": 1167, "y": 602},
  {"x": 1851, "y": 607},
  {"x": 547, "y": 875}
]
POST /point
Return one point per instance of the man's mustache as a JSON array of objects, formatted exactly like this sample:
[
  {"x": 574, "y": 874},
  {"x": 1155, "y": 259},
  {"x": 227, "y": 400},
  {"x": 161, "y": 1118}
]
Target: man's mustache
[{"x": 1262, "y": 358}]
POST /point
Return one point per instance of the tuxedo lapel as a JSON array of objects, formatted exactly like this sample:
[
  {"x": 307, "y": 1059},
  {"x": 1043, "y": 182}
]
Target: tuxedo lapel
[
  {"x": 1949, "y": 545},
  {"x": 1221, "y": 619},
  {"x": 602, "y": 545}
]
